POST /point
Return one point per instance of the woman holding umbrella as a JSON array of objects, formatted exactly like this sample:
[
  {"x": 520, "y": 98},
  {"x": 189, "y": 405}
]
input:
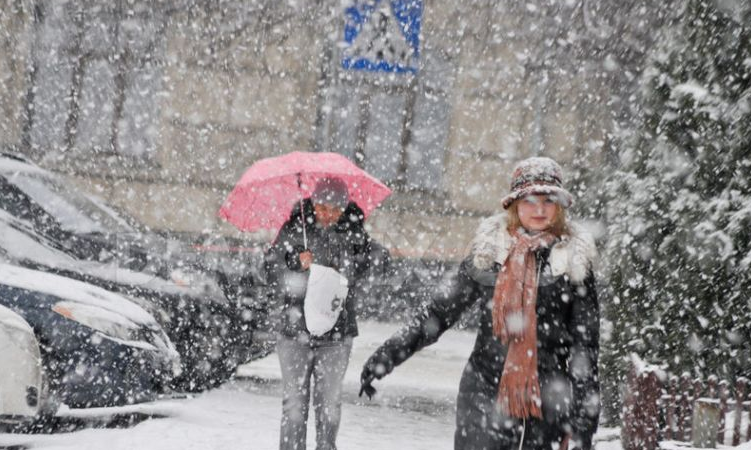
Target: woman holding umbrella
[
  {"x": 329, "y": 199},
  {"x": 531, "y": 381},
  {"x": 336, "y": 238}
]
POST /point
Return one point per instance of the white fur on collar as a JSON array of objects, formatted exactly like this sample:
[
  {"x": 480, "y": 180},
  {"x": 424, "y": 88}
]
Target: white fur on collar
[{"x": 573, "y": 255}]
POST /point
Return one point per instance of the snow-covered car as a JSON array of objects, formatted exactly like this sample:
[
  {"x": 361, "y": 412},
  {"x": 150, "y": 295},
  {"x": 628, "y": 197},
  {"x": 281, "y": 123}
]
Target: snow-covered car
[
  {"x": 98, "y": 348},
  {"x": 23, "y": 394},
  {"x": 196, "y": 327},
  {"x": 89, "y": 231},
  {"x": 84, "y": 225}
]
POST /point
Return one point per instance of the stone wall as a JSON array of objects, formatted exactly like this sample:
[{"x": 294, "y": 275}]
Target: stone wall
[
  {"x": 15, "y": 22},
  {"x": 232, "y": 82}
]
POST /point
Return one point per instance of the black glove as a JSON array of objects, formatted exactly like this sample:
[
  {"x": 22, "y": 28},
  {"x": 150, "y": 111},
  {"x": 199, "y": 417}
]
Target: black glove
[
  {"x": 367, "y": 389},
  {"x": 366, "y": 379},
  {"x": 376, "y": 367}
]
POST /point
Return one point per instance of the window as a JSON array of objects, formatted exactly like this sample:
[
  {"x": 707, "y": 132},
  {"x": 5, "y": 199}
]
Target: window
[
  {"x": 73, "y": 210},
  {"x": 394, "y": 126},
  {"x": 96, "y": 79},
  {"x": 431, "y": 116},
  {"x": 382, "y": 152}
]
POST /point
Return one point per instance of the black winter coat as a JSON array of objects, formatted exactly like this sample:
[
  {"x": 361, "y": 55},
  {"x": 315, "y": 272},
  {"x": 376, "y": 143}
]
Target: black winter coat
[
  {"x": 345, "y": 246},
  {"x": 567, "y": 335}
]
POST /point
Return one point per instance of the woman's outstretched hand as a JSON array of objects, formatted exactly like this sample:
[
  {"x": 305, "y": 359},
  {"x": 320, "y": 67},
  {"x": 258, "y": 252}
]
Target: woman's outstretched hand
[
  {"x": 376, "y": 367},
  {"x": 367, "y": 388},
  {"x": 367, "y": 377}
]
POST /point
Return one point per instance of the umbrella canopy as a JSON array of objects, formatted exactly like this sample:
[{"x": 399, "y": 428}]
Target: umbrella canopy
[{"x": 267, "y": 191}]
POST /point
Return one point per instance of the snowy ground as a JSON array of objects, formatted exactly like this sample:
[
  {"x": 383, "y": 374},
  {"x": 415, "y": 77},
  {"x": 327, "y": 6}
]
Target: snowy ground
[{"x": 413, "y": 409}]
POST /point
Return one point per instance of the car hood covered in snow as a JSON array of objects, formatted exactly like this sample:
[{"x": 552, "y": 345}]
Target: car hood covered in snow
[
  {"x": 76, "y": 291},
  {"x": 98, "y": 303}
]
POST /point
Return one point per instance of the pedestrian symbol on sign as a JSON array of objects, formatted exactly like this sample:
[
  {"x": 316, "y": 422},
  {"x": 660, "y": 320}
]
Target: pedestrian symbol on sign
[{"x": 382, "y": 36}]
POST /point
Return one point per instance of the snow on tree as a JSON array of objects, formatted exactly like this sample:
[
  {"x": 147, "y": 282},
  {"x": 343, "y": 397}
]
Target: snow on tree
[{"x": 679, "y": 206}]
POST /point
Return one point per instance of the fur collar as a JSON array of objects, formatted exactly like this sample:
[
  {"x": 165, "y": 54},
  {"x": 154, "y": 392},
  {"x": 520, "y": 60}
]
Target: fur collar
[{"x": 574, "y": 255}]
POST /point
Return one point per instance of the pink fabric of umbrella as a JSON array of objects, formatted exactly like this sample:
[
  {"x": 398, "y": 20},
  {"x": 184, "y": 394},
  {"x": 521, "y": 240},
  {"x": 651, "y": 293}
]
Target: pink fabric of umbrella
[{"x": 265, "y": 194}]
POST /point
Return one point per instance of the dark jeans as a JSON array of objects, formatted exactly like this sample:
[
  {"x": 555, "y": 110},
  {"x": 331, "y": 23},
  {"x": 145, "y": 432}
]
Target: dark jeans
[{"x": 326, "y": 364}]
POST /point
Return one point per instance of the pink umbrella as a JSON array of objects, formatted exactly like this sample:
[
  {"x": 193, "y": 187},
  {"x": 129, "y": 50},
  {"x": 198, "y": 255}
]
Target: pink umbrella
[{"x": 264, "y": 196}]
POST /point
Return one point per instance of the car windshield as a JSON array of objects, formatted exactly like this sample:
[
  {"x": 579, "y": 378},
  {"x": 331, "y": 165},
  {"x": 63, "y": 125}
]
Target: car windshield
[{"x": 75, "y": 211}]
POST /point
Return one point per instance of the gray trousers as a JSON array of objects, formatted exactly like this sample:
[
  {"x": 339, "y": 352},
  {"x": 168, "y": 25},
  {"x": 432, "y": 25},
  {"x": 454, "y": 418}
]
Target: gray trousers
[{"x": 326, "y": 364}]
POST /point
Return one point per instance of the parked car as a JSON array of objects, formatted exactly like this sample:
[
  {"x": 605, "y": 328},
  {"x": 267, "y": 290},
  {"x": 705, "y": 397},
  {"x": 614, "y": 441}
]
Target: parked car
[
  {"x": 23, "y": 393},
  {"x": 81, "y": 224},
  {"x": 197, "y": 327},
  {"x": 98, "y": 348},
  {"x": 238, "y": 267},
  {"x": 87, "y": 229}
]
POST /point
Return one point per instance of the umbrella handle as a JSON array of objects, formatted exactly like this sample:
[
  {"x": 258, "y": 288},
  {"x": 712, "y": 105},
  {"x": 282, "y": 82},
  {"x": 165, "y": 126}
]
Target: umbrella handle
[
  {"x": 302, "y": 213},
  {"x": 304, "y": 233}
]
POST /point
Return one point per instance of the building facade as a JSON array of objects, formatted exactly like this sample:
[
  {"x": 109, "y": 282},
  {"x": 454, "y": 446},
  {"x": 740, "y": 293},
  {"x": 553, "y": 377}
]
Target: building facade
[{"x": 159, "y": 107}]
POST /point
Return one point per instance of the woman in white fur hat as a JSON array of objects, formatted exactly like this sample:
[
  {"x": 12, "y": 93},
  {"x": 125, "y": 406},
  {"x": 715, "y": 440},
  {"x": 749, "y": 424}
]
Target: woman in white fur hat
[{"x": 531, "y": 381}]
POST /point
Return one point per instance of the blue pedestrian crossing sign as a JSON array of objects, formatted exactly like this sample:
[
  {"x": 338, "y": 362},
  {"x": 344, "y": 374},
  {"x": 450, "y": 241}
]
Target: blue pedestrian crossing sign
[{"x": 382, "y": 35}]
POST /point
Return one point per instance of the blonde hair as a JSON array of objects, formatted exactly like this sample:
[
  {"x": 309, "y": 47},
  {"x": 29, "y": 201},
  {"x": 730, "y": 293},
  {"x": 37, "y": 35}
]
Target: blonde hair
[{"x": 559, "y": 226}]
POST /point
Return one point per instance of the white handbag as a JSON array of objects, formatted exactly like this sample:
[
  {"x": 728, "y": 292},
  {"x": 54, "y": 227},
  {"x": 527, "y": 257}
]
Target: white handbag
[{"x": 324, "y": 298}]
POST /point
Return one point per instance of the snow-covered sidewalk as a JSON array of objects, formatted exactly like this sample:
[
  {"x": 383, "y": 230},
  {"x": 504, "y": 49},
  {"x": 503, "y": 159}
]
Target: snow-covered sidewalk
[
  {"x": 426, "y": 383},
  {"x": 231, "y": 418},
  {"x": 430, "y": 376},
  {"x": 413, "y": 409}
]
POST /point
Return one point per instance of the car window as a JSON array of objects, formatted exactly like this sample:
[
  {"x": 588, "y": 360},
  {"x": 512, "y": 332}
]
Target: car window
[
  {"x": 14, "y": 201},
  {"x": 73, "y": 210}
]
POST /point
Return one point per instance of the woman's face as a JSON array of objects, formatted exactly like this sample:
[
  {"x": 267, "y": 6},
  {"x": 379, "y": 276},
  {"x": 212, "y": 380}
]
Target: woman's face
[
  {"x": 537, "y": 212},
  {"x": 327, "y": 215}
]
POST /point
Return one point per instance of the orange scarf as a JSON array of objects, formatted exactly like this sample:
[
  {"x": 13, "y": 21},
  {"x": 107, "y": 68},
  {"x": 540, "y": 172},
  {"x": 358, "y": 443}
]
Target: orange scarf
[{"x": 515, "y": 324}]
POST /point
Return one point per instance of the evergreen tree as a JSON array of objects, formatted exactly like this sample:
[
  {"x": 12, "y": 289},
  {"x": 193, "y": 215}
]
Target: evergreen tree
[{"x": 679, "y": 207}]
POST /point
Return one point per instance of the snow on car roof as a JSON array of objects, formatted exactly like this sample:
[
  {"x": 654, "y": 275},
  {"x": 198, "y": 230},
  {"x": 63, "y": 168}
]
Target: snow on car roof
[
  {"x": 31, "y": 173},
  {"x": 75, "y": 291},
  {"x": 9, "y": 164},
  {"x": 17, "y": 243}
]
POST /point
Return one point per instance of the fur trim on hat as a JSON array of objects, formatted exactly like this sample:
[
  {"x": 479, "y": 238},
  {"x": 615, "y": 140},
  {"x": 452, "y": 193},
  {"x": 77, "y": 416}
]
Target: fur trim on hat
[{"x": 574, "y": 255}]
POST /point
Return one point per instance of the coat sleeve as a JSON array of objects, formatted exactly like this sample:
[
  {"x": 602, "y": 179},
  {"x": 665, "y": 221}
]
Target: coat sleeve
[
  {"x": 281, "y": 260},
  {"x": 359, "y": 244},
  {"x": 361, "y": 249},
  {"x": 585, "y": 331},
  {"x": 450, "y": 299}
]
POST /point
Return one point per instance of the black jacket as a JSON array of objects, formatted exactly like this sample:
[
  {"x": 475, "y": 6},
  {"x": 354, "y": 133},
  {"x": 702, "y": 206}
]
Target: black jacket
[
  {"x": 345, "y": 246},
  {"x": 567, "y": 335}
]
